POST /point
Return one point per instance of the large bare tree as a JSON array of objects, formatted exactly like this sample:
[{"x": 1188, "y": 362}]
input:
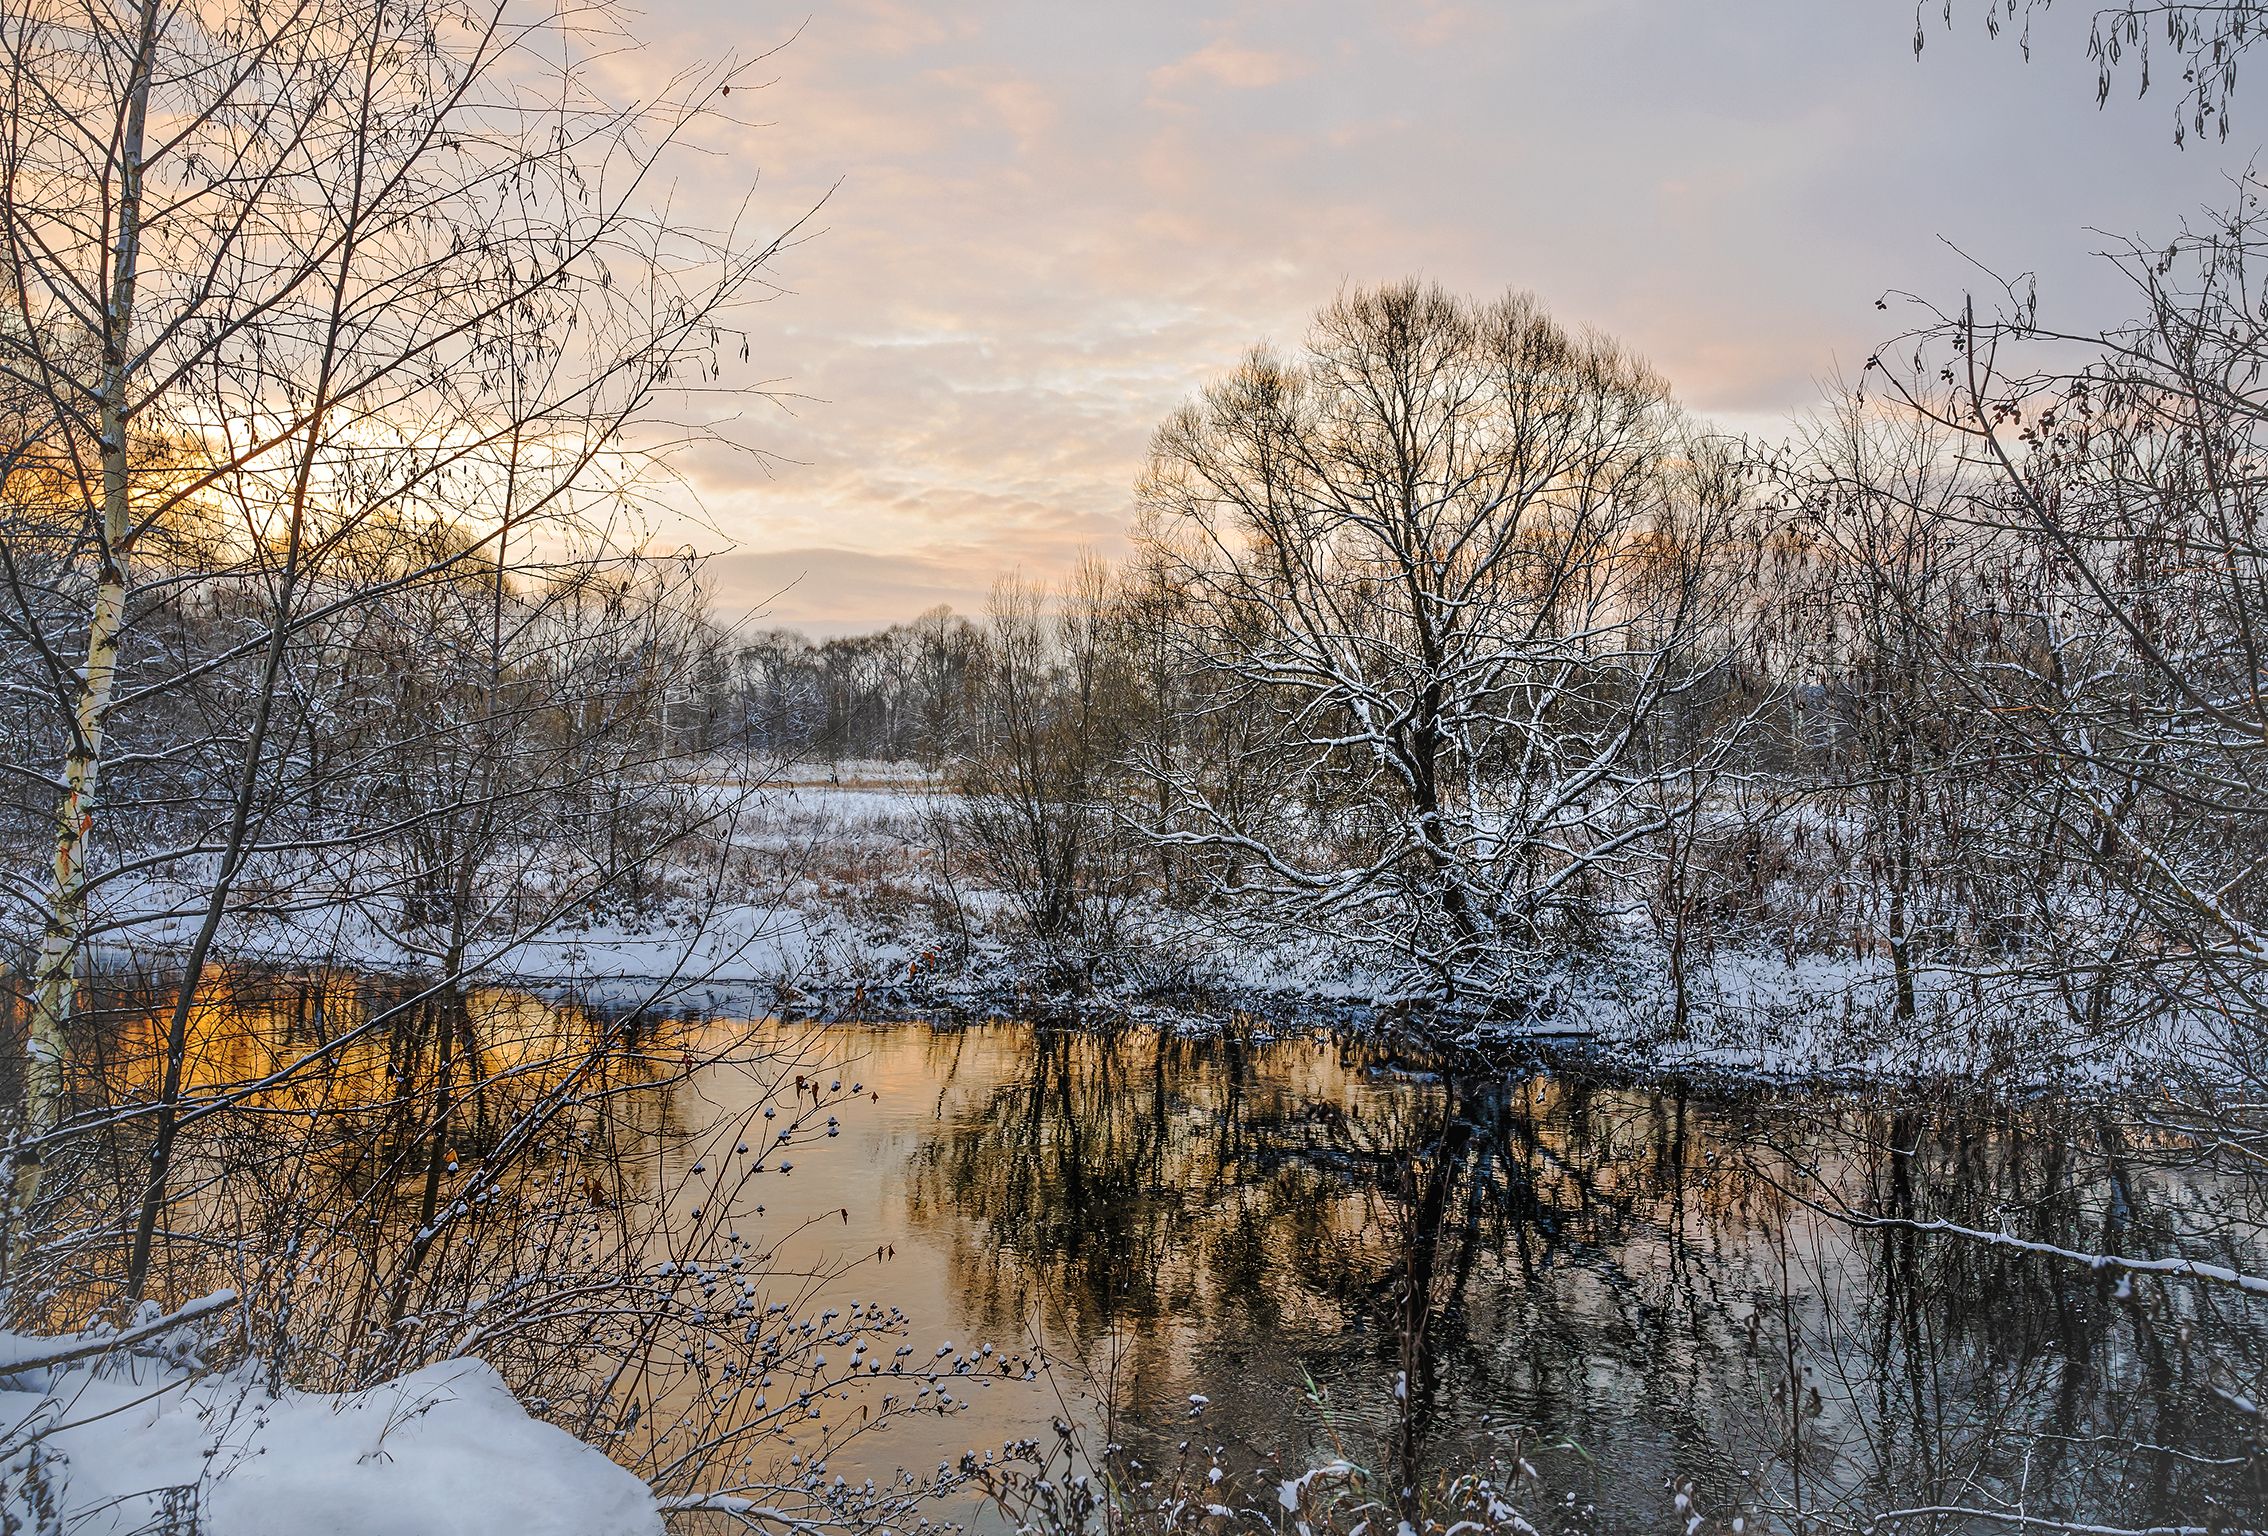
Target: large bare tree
[{"x": 1458, "y": 558}]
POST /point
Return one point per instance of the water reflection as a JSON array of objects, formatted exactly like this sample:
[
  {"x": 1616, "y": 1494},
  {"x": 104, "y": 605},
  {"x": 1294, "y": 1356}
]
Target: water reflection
[
  {"x": 344, "y": 1120},
  {"x": 1614, "y": 1279},
  {"x": 1345, "y": 1250}
]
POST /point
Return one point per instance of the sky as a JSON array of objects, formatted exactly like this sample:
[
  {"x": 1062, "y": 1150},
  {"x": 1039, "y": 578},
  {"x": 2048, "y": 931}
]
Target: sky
[{"x": 1044, "y": 225}]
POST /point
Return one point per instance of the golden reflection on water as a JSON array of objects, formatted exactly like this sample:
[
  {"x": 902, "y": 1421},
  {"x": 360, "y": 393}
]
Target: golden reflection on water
[
  {"x": 1545, "y": 1259},
  {"x": 330, "y": 1038}
]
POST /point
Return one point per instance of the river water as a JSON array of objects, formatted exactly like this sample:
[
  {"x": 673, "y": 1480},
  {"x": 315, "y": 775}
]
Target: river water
[
  {"x": 1343, "y": 1253},
  {"x": 1276, "y": 1249}
]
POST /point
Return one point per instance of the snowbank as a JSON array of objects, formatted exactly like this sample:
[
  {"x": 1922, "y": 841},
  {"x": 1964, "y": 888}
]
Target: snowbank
[{"x": 130, "y": 1443}]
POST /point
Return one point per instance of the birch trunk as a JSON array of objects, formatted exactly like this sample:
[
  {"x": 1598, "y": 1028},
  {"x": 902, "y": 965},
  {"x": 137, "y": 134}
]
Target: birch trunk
[{"x": 55, "y": 979}]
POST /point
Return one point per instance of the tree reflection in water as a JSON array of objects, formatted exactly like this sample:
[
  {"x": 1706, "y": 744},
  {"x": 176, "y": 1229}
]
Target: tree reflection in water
[
  {"x": 1430, "y": 1265},
  {"x": 1612, "y": 1279}
]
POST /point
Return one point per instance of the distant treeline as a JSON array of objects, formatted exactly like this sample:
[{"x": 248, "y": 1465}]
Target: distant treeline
[{"x": 903, "y": 693}]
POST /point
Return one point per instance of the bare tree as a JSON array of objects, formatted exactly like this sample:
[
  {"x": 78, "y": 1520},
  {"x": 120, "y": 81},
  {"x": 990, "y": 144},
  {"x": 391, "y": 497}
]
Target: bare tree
[
  {"x": 1045, "y": 764},
  {"x": 2126, "y": 699},
  {"x": 365, "y": 263},
  {"x": 1459, "y": 559},
  {"x": 1892, "y": 582}
]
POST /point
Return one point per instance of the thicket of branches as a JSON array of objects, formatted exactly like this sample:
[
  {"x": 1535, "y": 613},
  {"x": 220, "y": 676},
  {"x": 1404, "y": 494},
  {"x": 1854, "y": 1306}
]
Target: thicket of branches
[{"x": 341, "y": 351}]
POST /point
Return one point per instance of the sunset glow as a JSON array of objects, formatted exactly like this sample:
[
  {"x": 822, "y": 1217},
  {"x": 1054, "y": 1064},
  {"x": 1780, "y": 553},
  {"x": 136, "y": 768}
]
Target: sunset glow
[{"x": 1045, "y": 225}]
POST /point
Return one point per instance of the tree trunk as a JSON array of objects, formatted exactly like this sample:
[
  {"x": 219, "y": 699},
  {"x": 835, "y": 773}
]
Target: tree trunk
[{"x": 55, "y": 978}]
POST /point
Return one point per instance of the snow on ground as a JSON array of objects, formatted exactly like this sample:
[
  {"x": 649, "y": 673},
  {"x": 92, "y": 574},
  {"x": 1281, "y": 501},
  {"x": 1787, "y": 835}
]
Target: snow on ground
[
  {"x": 809, "y": 857},
  {"x": 1818, "y": 1017},
  {"x": 834, "y": 905},
  {"x": 135, "y": 1442}
]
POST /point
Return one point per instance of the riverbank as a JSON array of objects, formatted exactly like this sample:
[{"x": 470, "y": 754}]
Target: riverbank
[
  {"x": 859, "y": 918},
  {"x": 1749, "y": 1017}
]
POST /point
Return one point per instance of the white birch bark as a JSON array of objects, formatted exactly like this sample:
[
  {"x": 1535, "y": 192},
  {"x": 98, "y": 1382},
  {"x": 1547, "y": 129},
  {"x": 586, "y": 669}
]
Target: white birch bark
[{"x": 55, "y": 978}]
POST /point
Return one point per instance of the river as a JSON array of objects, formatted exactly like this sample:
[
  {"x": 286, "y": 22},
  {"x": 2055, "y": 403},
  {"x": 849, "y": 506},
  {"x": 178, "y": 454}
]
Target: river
[{"x": 1273, "y": 1249}]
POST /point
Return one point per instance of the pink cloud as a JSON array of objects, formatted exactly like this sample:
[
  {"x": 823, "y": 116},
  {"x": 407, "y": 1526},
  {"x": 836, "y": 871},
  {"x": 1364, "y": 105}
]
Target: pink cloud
[
  {"x": 1053, "y": 223},
  {"x": 1224, "y": 63}
]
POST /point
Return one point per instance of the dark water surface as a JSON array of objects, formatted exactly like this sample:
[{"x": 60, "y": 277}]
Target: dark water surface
[
  {"x": 1343, "y": 1254},
  {"x": 1346, "y": 1252}
]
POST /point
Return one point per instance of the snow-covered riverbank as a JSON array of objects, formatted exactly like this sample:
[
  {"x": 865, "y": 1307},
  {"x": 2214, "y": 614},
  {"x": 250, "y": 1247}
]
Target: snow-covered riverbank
[{"x": 837, "y": 906}]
